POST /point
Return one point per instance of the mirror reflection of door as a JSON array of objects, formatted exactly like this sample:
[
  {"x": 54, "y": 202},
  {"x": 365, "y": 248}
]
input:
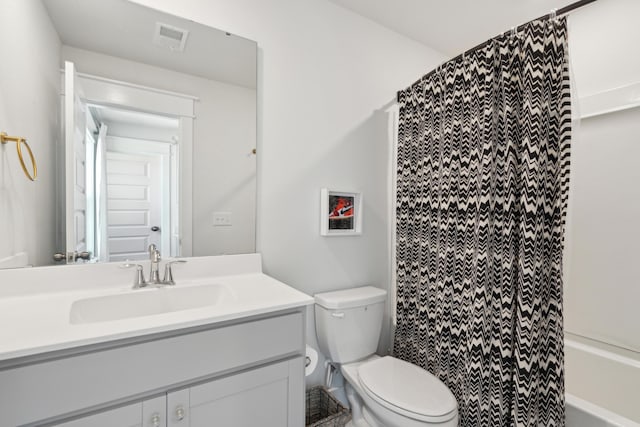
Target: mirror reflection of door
[
  {"x": 138, "y": 178},
  {"x": 124, "y": 183},
  {"x": 134, "y": 198},
  {"x": 75, "y": 129},
  {"x": 141, "y": 171},
  {"x": 126, "y": 188}
]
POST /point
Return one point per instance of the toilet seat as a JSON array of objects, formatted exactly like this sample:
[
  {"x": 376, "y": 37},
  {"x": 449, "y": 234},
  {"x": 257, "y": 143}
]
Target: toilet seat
[{"x": 407, "y": 390}]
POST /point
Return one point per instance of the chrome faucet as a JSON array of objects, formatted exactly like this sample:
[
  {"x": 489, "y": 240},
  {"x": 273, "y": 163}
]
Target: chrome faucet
[
  {"x": 154, "y": 257},
  {"x": 154, "y": 275}
]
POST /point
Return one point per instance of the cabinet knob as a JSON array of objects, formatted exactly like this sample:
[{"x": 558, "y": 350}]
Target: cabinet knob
[
  {"x": 155, "y": 420},
  {"x": 180, "y": 413}
]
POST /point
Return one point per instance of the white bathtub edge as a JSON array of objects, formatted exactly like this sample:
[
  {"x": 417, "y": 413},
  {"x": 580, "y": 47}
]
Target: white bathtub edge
[
  {"x": 612, "y": 418},
  {"x": 603, "y": 353}
]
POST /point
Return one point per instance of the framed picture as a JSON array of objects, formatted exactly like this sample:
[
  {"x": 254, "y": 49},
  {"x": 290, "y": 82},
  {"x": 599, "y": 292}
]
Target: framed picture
[{"x": 340, "y": 213}]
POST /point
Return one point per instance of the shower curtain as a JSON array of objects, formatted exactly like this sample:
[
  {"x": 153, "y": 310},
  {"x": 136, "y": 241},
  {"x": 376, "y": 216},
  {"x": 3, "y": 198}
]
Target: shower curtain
[{"x": 482, "y": 184}]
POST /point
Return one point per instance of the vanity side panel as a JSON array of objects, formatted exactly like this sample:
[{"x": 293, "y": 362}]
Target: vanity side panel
[{"x": 90, "y": 381}]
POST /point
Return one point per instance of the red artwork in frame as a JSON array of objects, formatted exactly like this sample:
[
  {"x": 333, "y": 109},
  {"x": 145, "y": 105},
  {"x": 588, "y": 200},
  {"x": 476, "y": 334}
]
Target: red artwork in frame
[{"x": 340, "y": 213}]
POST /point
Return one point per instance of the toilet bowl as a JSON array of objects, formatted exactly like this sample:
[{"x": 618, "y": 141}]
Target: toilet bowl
[{"x": 382, "y": 391}]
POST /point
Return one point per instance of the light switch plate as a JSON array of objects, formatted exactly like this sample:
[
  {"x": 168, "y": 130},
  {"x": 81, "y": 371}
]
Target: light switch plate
[{"x": 221, "y": 219}]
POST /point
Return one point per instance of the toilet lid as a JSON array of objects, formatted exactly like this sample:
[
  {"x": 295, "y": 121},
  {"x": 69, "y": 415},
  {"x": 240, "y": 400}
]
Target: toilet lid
[{"x": 400, "y": 385}]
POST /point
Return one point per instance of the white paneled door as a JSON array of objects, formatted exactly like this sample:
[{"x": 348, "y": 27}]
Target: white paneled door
[
  {"x": 135, "y": 200},
  {"x": 75, "y": 115}
]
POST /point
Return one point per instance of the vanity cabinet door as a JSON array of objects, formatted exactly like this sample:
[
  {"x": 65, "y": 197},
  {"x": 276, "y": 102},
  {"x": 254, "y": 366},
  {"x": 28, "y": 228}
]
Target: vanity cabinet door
[
  {"x": 267, "y": 396},
  {"x": 150, "y": 413}
]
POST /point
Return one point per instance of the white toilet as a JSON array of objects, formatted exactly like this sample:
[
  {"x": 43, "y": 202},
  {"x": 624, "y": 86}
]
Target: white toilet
[{"x": 382, "y": 391}]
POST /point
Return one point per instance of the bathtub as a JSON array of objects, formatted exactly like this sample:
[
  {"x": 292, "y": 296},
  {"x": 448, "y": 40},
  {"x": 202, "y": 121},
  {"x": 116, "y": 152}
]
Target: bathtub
[{"x": 602, "y": 384}]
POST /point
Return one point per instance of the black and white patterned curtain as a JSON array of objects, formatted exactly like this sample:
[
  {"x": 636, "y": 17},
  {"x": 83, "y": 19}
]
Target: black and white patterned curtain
[{"x": 482, "y": 184}]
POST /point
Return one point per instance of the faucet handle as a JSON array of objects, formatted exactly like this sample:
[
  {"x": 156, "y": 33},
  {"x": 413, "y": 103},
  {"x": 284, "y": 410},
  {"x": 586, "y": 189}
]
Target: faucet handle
[
  {"x": 168, "y": 272},
  {"x": 139, "y": 281}
]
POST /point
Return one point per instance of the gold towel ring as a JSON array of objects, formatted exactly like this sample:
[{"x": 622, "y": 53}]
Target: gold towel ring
[{"x": 4, "y": 138}]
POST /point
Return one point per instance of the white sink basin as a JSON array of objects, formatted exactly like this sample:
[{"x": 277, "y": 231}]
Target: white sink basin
[{"x": 146, "y": 302}]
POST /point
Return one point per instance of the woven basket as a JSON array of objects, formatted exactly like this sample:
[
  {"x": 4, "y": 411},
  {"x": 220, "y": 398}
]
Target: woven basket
[{"x": 324, "y": 410}]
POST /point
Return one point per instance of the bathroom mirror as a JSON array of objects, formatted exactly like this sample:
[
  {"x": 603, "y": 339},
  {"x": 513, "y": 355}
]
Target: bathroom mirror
[{"x": 163, "y": 112}]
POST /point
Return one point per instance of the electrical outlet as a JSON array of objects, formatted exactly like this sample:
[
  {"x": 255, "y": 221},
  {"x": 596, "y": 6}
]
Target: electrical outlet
[{"x": 221, "y": 219}]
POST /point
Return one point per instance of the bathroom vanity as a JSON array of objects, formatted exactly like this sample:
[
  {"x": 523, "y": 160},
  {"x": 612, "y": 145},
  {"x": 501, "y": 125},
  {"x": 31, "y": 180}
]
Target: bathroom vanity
[{"x": 225, "y": 347}]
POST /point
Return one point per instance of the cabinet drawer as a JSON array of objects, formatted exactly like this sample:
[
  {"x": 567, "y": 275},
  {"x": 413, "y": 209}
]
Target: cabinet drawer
[{"x": 74, "y": 384}]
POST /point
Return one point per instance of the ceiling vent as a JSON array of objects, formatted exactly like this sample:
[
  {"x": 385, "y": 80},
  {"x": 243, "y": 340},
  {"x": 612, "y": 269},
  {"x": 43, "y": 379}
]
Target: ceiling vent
[{"x": 170, "y": 37}]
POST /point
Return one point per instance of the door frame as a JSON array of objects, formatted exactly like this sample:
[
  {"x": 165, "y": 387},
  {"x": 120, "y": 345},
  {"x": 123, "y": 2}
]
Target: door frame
[{"x": 120, "y": 94}]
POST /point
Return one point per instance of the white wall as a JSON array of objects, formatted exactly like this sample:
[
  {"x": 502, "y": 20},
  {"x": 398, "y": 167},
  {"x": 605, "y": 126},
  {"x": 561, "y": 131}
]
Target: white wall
[
  {"x": 224, "y": 135},
  {"x": 603, "y": 38},
  {"x": 29, "y": 105},
  {"x": 601, "y": 274},
  {"x": 324, "y": 75},
  {"x": 602, "y": 293}
]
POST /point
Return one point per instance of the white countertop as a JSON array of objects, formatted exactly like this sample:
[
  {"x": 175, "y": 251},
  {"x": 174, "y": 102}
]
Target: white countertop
[{"x": 37, "y": 322}]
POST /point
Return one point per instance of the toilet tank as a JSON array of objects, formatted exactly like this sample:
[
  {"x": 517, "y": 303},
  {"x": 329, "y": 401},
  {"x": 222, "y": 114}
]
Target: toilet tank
[{"x": 348, "y": 322}]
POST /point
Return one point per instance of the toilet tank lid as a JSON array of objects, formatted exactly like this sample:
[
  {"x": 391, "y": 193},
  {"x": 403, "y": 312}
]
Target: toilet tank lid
[{"x": 349, "y": 298}]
